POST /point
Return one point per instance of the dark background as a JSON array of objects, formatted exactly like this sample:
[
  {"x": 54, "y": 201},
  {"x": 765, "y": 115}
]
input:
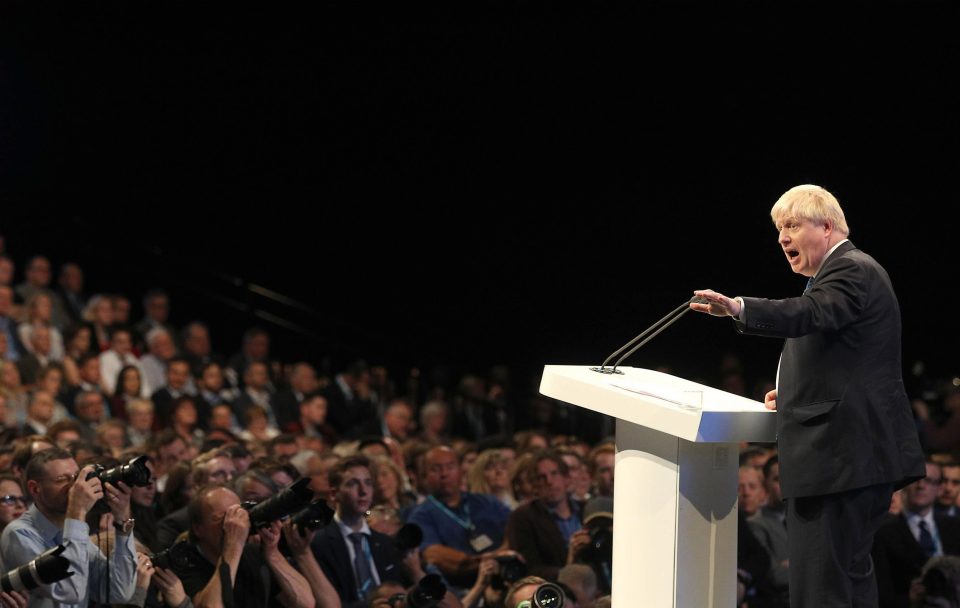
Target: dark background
[{"x": 520, "y": 183}]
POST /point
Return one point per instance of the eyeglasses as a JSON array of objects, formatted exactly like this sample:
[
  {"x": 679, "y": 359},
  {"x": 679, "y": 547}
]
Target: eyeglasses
[
  {"x": 61, "y": 479},
  {"x": 9, "y": 500}
]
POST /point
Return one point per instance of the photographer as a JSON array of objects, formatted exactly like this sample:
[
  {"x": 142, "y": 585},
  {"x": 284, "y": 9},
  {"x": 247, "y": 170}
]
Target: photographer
[
  {"x": 62, "y": 496},
  {"x": 219, "y": 563},
  {"x": 298, "y": 542}
]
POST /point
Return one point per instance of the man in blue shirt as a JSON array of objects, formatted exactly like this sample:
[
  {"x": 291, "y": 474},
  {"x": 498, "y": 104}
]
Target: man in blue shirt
[
  {"x": 459, "y": 528},
  {"x": 62, "y": 497}
]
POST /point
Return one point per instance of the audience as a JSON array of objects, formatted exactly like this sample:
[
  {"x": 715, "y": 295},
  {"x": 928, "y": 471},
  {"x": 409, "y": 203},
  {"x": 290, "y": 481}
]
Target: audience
[{"x": 78, "y": 384}]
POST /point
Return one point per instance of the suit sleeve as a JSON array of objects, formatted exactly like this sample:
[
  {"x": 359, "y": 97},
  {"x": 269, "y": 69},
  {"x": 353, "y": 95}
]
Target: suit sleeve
[{"x": 837, "y": 299}]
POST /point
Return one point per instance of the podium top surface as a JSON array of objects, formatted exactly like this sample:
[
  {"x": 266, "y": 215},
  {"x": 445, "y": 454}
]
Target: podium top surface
[{"x": 666, "y": 403}]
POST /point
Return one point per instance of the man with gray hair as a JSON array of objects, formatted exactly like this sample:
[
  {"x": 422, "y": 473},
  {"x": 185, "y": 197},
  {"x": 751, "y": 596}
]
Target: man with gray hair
[{"x": 154, "y": 363}]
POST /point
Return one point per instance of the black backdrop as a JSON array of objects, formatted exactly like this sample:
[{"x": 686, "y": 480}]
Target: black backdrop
[{"x": 514, "y": 182}]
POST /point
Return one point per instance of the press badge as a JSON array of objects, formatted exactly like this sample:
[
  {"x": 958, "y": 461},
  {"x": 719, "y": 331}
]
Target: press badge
[{"x": 481, "y": 543}]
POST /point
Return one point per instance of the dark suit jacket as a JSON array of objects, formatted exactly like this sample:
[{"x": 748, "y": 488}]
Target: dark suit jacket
[
  {"x": 29, "y": 367},
  {"x": 843, "y": 417},
  {"x": 898, "y": 559},
  {"x": 331, "y": 552},
  {"x": 532, "y": 532},
  {"x": 345, "y": 414}
]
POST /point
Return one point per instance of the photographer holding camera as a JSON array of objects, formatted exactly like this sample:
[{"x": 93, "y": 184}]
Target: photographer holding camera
[
  {"x": 62, "y": 494},
  {"x": 220, "y": 568}
]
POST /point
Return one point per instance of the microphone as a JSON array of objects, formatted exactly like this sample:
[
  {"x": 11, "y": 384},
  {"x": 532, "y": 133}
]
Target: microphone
[{"x": 648, "y": 334}]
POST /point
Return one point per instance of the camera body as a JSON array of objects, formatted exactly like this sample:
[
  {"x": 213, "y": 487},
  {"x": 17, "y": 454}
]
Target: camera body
[
  {"x": 511, "y": 570},
  {"x": 134, "y": 473},
  {"x": 316, "y": 515},
  {"x": 175, "y": 557}
]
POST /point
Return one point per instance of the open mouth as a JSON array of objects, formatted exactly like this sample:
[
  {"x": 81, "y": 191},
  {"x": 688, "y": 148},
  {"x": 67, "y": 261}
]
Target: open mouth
[{"x": 792, "y": 254}]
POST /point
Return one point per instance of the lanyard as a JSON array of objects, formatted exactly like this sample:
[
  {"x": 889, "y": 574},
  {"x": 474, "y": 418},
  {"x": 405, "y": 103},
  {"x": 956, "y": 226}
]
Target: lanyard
[{"x": 466, "y": 525}]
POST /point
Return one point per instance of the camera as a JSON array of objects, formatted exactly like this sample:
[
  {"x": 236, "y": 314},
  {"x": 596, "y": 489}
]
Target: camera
[
  {"x": 317, "y": 514},
  {"x": 408, "y": 538},
  {"x": 547, "y": 595},
  {"x": 288, "y": 501},
  {"x": 427, "y": 593},
  {"x": 600, "y": 549},
  {"x": 511, "y": 570},
  {"x": 48, "y": 567},
  {"x": 134, "y": 473},
  {"x": 175, "y": 557}
]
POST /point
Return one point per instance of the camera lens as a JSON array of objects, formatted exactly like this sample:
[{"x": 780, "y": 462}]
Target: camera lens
[{"x": 548, "y": 595}]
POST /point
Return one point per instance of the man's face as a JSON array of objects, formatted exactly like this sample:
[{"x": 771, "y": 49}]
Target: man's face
[
  {"x": 750, "y": 493},
  {"x": 144, "y": 495},
  {"x": 950, "y": 487},
  {"x": 158, "y": 308},
  {"x": 71, "y": 278},
  {"x": 90, "y": 371},
  {"x": 442, "y": 473},
  {"x": 51, "y": 492},
  {"x": 255, "y": 491},
  {"x": 41, "y": 407},
  {"x": 66, "y": 437},
  {"x": 6, "y": 271},
  {"x": 171, "y": 454},
  {"x": 38, "y": 272},
  {"x": 41, "y": 340},
  {"x": 355, "y": 492},
  {"x": 551, "y": 483},
  {"x": 603, "y": 476},
  {"x": 258, "y": 347},
  {"x": 90, "y": 408},
  {"x": 178, "y": 373},
  {"x": 121, "y": 343},
  {"x": 220, "y": 470},
  {"x": 141, "y": 418},
  {"x": 212, "y": 379},
  {"x": 209, "y": 531},
  {"x": 12, "y": 502},
  {"x": 772, "y": 485},
  {"x": 805, "y": 244},
  {"x": 256, "y": 376},
  {"x": 6, "y": 300},
  {"x": 198, "y": 341},
  {"x": 220, "y": 417},
  {"x": 285, "y": 451},
  {"x": 304, "y": 379},
  {"x": 314, "y": 410},
  {"x": 579, "y": 477},
  {"x": 921, "y": 495},
  {"x": 121, "y": 310},
  {"x": 162, "y": 346},
  {"x": 398, "y": 418}
]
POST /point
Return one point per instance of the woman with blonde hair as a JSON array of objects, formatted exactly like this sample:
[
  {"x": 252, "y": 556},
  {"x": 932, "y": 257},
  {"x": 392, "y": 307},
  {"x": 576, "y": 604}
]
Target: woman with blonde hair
[
  {"x": 489, "y": 474},
  {"x": 39, "y": 311},
  {"x": 390, "y": 486}
]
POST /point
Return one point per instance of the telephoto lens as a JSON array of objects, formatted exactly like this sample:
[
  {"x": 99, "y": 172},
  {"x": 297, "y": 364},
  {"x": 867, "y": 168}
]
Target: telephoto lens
[
  {"x": 408, "y": 537},
  {"x": 288, "y": 501},
  {"x": 317, "y": 514},
  {"x": 176, "y": 556},
  {"x": 48, "y": 567},
  {"x": 427, "y": 593},
  {"x": 547, "y": 595},
  {"x": 134, "y": 473}
]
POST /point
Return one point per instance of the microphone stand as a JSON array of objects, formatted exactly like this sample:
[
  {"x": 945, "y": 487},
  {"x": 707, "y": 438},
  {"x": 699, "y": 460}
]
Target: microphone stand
[{"x": 656, "y": 328}]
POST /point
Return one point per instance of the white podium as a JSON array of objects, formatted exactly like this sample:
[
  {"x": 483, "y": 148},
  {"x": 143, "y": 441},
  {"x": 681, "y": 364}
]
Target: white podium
[{"x": 675, "y": 498}]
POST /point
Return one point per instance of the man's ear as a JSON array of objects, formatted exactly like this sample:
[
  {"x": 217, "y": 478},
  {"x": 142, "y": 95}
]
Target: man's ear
[{"x": 33, "y": 489}]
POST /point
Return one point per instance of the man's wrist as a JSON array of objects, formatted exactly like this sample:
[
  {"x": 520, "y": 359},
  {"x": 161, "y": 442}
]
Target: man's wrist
[{"x": 124, "y": 527}]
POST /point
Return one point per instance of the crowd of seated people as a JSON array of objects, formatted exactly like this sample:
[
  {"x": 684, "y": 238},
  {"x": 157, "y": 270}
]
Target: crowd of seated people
[{"x": 495, "y": 511}]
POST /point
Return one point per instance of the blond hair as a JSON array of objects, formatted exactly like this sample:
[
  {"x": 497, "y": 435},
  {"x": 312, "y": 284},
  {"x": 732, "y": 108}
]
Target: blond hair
[{"x": 809, "y": 202}]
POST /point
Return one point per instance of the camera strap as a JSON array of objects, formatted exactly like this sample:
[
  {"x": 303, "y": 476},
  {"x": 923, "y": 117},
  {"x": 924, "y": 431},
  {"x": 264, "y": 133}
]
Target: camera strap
[{"x": 226, "y": 585}]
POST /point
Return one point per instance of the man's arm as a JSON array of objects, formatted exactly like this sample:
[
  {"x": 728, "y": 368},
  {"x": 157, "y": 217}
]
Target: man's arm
[
  {"x": 236, "y": 526},
  {"x": 123, "y": 558},
  {"x": 323, "y": 590},
  {"x": 295, "y": 590},
  {"x": 20, "y": 545}
]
